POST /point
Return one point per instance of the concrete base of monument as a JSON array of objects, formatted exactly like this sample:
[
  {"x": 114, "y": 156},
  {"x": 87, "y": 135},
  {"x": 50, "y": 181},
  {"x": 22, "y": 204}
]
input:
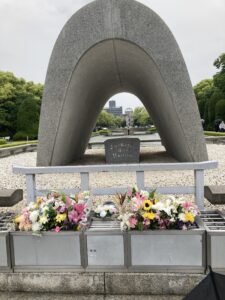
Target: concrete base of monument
[
  {"x": 45, "y": 296},
  {"x": 154, "y": 286}
]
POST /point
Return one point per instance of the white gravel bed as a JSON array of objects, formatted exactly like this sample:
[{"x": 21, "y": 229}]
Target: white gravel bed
[{"x": 8, "y": 180}]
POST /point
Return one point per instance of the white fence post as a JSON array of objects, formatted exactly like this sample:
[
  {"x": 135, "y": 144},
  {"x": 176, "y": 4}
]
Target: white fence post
[
  {"x": 31, "y": 187},
  {"x": 140, "y": 178},
  {"x": 199, "y": 189},
  {"x": 84, "y": 184}
]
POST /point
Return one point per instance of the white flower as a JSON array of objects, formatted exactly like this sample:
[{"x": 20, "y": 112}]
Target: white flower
[
  {"x": 98, "y": 209},
  {"x": 45, "y": 209},
  {"x": 106, "y": 207},
  {"x": 167, "y": 210},
  {"x": 87, "y": 210},
  {"x": 112, "y": 209},
  {"x": 158, "y": 206},
  {"x": 36, "y": 227},
  {"x": 144, "y": 194},
  {"x": 171, "y": 198},
  {"x": 182, "y": 217},
  {"x": 34, "y": 216},
  {"x": 125, "y": 224},
  {"x": 86, "y": 195},
  {"x": 81, "y": 201},
  {"x": 43, "y": 219},
  {"x": 32, "y": 206},
  {"x": 103, "y": 213}
]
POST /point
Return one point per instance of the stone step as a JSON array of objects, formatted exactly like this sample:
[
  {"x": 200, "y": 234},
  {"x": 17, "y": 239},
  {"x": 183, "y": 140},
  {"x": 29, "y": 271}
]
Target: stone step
[
  {"x": 45, "y": 296},
  {"x": 215, "y": 194},
  {"x": 10, "y": 197}
]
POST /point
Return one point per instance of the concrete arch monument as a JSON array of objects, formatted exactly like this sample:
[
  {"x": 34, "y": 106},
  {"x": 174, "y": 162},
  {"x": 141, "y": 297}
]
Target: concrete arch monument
[{"x": 107, "y": 47}]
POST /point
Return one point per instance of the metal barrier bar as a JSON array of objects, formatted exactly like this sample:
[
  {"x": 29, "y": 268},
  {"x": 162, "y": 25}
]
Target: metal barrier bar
[
  {"x": 197, "y": 167},
  {"x": 117, "y": 168}
]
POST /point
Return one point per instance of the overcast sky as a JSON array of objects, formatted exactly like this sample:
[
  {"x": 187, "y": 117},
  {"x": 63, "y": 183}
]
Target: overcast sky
[{"x": 29, "y": 28}]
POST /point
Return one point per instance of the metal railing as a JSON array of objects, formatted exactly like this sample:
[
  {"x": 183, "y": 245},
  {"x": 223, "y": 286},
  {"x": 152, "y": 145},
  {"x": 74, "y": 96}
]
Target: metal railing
[{"x": 140, "y": 169}]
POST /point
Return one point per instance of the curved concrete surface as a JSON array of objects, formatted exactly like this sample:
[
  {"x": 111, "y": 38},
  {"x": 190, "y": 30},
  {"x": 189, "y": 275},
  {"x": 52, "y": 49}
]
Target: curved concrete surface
[{"x": 107, "y": 47}]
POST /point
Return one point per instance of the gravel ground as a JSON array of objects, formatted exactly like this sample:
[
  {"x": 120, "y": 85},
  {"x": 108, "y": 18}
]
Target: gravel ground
[{"x": 94, "y": 156}]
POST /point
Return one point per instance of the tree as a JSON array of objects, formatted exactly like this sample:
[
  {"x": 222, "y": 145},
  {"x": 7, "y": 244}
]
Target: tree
[
  {"x": 219, "y": 77},
  {"x": 210, "y": 94},
  {"x": 220, "y": 110},
  {"x": 141, "y": 117},
  {"x": 118, "y": 121},
  {"x": 28, "y": 118},
  {"x": 203, "y": 91},
  {"x": 13, "y": 91},
  {"x": 105, "y": 120}
]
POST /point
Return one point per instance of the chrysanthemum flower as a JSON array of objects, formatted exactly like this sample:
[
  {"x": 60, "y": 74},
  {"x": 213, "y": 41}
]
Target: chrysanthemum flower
[
  {"x": 60, "y": 218},
  {"x": 149, "y": 215},
  {"x": 189, "y": 217}
]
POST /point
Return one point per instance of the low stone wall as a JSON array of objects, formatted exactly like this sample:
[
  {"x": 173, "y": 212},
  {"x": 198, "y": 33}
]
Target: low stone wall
[
  {"x": 215, "y": 140},
  {"x": 152, "y": 285},
  {"x": 17, "y": 150},
  {"x": 45, "y": 296}
]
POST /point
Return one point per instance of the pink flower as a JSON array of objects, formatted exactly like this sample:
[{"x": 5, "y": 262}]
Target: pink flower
[
  {"x": 74, "y": 216},
  {"x": 136, "y": 203},
  {"x": 133, "y": 222},
  {"x": 184, "y": 227},
  {"x": 57, "y": 229},
  {"x": 68, "y": 201},
  {"x": 146, "y": 222},
  {"x": 162, "y": 224},
  {"x": 80, "y": 208},
  {"x": 187, "y": 205},
  {"x": 139, "y": 196},
  {"x": 129, "y": 193},
  {"x": 62, "y": 209}
]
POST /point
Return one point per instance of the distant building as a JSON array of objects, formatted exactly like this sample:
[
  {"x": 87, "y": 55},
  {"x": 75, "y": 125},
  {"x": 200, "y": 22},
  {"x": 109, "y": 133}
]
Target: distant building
[
  {"x": 129, "y": 117},
  {"x": 112, "y": 109}
]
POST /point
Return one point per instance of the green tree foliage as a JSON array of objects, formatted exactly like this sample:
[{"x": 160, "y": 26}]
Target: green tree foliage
[
  {"x": 118, "y": 121},
  {"x": 220, "y": 110},
  {"x": 28, "y": 118},
  {"x": 141, "y": 117},
  {"x": 210, "y": 95},
  {"x": 203, "y": 91},
  {"x": 219, "y": 77},
  {"x": 13, "y": 92},
  {"x": 108, "y": 120}
]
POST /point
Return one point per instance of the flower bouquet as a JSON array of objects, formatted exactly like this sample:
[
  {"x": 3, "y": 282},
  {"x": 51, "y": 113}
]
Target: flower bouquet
[
  {"x": 55, "y": 212},
  {"x": 145, "y": 211},
  {"x": 107, "y": 211}
]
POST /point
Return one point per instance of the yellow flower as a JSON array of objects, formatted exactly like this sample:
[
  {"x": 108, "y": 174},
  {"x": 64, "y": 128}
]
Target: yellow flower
[
  {"x": 189, "y": 217},
  {"x": 19, "y": 219},
  {"x": 147, "y": 205},
  {"x": 60, "y": 218},
  {"x": 149, "y": 215},
  {"x": 39, "y": 200}
]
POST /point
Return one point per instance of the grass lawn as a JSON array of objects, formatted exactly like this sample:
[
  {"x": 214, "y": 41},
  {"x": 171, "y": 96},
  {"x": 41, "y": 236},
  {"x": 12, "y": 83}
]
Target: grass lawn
[
  {"x": 14, "y": 144},
  {"x": 214, "y": 133}
]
